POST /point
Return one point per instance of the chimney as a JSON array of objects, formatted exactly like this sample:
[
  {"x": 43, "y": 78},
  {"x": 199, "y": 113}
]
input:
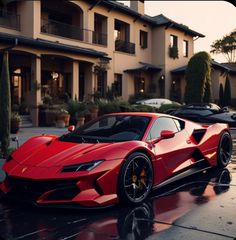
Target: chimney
[{"x": 137, "y": 5}]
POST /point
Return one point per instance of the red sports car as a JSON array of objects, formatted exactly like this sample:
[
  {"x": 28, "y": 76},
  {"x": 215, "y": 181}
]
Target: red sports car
[{"x": 117, "y": 158}]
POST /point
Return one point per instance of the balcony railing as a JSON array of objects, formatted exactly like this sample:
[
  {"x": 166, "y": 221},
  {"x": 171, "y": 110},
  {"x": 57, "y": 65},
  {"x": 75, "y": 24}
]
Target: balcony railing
[
  {"x": 123, "y": 46},
  {"x": 9, "y": 20},
  {"x": 73, "y": 32}
]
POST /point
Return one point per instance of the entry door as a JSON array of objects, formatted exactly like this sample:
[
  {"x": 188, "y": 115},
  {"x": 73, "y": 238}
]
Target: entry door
[{"x": 81, "y": 86}]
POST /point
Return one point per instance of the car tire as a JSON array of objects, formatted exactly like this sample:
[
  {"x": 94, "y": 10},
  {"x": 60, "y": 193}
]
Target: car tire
[
  {"x": 135, "y": 179},
  {"x": 224, "y": 150}
]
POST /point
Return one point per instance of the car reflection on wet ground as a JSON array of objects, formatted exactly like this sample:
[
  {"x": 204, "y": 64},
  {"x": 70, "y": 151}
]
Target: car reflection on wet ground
[{"x": 197, "y": 207}]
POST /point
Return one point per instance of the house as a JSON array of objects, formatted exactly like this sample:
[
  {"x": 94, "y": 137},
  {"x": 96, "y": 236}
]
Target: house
[
  {"x": 77, "y": 48},
  {"x": 219, "y": 73}
]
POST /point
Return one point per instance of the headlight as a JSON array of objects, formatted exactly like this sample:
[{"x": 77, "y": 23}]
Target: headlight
[{"x": 82, "y": 167}]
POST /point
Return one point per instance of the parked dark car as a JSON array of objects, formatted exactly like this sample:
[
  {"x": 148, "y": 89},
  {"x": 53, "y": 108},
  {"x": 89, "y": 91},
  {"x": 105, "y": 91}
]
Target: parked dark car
[{"x": 206, "y": 113}]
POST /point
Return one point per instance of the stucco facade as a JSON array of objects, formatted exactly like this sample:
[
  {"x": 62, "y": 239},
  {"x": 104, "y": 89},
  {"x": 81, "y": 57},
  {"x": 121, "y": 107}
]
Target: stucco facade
[{"x": 59, "y": 46}]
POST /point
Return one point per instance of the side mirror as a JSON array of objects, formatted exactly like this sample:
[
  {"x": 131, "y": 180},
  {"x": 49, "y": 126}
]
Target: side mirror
[
  {"x": 71, "y": 128},
  {"x": 165, "y": 134}
]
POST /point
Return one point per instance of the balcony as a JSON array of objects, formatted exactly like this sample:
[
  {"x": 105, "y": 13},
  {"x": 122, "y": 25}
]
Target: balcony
[
  {"x": 9, "y": 20},
  {"x": 124, "y": 46},
  {"x": 72, "y": 32}
]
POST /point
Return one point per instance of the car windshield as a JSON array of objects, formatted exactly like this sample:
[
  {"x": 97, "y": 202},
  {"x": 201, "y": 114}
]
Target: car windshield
[{"x": 110, "y": 128}]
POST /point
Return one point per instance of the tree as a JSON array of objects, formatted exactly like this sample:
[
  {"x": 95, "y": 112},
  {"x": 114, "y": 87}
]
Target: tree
[
  {"x": 227, "y": 93},
  {"x": 5, "y": 101},
  {"x": 221, "y": 95},
  {"x": 198, "y": 79},
  {"x": 226, "y": 46}
]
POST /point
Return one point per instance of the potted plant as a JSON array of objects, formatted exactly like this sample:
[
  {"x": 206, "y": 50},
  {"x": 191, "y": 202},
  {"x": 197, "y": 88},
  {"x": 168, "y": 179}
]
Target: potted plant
[
  {"x": 93, "y": 108},
  {"x": 80, "y": 119},
  {"x": 63, "y": 116},
  {"x": 15, "y": 122},
  {"x": 75, "y": 108}
]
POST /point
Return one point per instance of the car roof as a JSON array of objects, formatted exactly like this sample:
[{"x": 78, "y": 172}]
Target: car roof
[
  {"x": 202, "y": 106},
  {"x": 154, "y": 99}
]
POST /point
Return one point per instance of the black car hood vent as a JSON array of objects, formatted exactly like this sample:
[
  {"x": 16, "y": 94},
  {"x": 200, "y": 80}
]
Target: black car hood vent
[{"x": 198, "y": 134}]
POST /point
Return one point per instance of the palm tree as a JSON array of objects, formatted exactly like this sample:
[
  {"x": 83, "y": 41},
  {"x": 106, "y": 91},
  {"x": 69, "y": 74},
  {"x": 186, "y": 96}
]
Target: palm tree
[{"x": 226, "y": 46}]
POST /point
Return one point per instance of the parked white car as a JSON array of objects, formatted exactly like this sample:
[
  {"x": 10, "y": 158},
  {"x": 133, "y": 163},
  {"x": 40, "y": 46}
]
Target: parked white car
[{"x": 155, "y": 102}]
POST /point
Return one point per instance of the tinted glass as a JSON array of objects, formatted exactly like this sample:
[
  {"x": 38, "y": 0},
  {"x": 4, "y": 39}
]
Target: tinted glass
[
  {"x": 200, "y": 112},
  {"x": 161, "y": 124},
  {"x": 114, "y": 128}
]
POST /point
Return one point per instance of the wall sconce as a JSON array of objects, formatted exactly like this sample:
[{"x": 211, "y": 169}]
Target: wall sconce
[
  {"x": 54, "y": 75},
  {"x": 162, "y": 77}
]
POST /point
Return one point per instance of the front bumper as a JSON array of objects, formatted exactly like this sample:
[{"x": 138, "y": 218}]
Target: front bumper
[{"x": 97, "y": 188}]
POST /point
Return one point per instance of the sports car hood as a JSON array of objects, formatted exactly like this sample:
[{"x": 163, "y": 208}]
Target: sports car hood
[{"x": 54, "y": 152}]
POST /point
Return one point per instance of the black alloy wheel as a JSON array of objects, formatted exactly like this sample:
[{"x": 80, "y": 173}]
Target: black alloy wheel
[
  {"x": 136, "y": 179},
  {"x": 224, "y": 151}
]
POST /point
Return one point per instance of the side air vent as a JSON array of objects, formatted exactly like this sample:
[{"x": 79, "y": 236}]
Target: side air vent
[
  {"x": 197, "y": 155},
  {"x": 198, "y": 134}
]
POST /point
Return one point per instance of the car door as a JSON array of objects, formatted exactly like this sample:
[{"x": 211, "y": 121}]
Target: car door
[{"x": 172, "y": 155}]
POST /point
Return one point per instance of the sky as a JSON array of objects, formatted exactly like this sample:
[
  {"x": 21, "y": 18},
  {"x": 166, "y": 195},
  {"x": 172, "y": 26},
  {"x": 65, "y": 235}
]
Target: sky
[{"x": 214, "y": 19}]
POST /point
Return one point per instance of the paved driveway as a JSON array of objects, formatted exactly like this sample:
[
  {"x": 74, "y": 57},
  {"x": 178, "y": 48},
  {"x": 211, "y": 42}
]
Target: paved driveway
[{"x": 199, "y": 207}]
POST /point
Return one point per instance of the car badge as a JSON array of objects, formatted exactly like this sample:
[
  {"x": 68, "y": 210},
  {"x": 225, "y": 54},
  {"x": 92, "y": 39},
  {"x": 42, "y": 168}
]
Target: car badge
[{"x": 23, "y": 170}]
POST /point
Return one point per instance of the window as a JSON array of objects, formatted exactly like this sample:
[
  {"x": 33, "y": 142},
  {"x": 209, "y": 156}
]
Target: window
[
  {"x": 117, "y": 85},
  {"x": 102, "y": 83},
  {"x": 173, "y": 47},
  {"x": 179, "y": 124},
  {"x": 185, "y": 48},
  {"x": 161, "y": 124},
  {"x": 143, "y": 39},
  {"x": 173, "y": 41},
  {"x": 100, "y": 29}
]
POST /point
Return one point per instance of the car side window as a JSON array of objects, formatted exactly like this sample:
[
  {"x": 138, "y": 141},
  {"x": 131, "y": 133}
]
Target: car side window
[
  {"x": 162, "y": 123},
  {"x": 179, "y": 124}
]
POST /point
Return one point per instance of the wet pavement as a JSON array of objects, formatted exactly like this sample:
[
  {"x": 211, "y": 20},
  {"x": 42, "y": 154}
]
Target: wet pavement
[{"x": 198, "y": 207}]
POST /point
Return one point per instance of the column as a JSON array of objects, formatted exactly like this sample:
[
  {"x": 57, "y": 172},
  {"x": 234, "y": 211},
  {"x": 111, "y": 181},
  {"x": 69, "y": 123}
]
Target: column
[
  {"x": 35, "y": 89},
  {"x": 90, "y": 78},
  {"x": 75, "y": 80}
]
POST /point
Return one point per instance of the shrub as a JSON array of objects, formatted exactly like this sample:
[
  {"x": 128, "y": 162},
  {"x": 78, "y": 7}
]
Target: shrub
[
  {"x": 165, "y": 107},
  {"x": 5, "y": 109},
  {"x": 47, "y": 100},
  {"x": 198, "y": 79},
  {"x": 227, "y": 93},
  {"x": 74, "y": 107},
  {"x": 173, "y": 52},
  {"x": 144, "y": 108},
  {"x": 140, "y": 96},
  {"x": 221, "y": 95},
  {"x": 106, "y": 107}
]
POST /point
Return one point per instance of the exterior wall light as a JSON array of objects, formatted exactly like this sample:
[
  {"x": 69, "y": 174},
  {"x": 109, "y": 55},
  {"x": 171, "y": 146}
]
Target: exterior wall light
[
  {"x": 162, "y": 77},
  {"x": 54, "y": 75}
]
